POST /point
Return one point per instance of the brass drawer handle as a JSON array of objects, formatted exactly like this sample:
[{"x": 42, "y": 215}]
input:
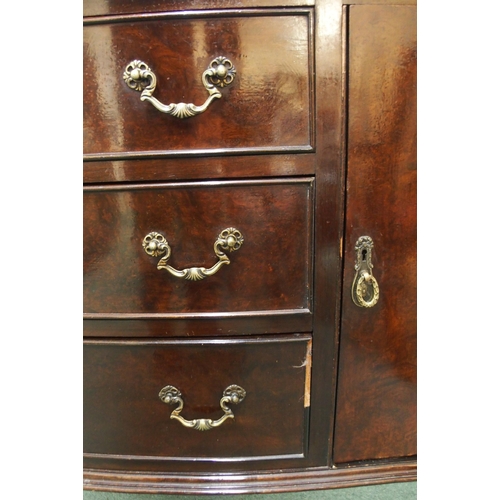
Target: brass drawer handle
[
  {"x": 360, "y": 292},
  {"x": 230, "y": 239},
  {"x": 220, "y": 73},
  {"x": 233, "y": 394}
]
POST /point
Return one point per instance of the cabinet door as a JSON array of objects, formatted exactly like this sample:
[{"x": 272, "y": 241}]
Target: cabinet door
[{"x": 376, "y": 403}]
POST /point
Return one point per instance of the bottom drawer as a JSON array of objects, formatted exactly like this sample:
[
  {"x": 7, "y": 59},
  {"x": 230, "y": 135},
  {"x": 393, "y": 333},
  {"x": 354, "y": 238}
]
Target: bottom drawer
[{"x": 125, "y": 417}]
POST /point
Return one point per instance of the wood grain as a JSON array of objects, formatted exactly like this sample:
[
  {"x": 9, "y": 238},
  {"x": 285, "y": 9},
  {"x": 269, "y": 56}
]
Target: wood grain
[
  {"x": 269, "y": 93},
  {"x": 243, "y": 482},
  {"x": 376, "y": 401},
  {"x": 329, "y": 180},
  {"x": 125, "y": 419},
  {"x": 204, "y": 166},
  {"x": 304, "y": 153},
  {"x": 199, "y": 324},
  {"x": 271, "y": 271},
  {"x": 114, "y": 7}
]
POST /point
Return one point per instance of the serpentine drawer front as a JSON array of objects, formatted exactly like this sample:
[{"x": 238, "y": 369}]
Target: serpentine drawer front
[
  {"x": 127, "y": 419},
  {"x": 258, "y": 81},
  {"x": 269, "y": 270}
]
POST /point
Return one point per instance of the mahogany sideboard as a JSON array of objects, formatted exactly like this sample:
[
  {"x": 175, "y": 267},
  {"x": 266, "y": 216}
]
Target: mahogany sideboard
[{"x": 249, "y": 244}]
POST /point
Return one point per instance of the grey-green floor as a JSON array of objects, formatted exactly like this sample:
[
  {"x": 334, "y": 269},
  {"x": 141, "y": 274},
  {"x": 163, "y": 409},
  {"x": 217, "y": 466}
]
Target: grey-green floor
[{"x": 395, "y": 491}]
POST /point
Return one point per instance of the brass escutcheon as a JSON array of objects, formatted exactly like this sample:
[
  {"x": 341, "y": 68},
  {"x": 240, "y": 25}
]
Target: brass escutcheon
[{"x": 365, "y": 291}]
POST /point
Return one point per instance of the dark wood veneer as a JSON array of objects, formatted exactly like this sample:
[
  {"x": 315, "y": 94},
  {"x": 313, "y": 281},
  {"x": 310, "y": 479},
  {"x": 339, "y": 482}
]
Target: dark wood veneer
[
  {"x": 206, "y": 166},
  {"x": 243, "y": 483},
  {"x": 201, "y": 325},
  {"x": 376, "y": 401},
  {"x": 117, "y": 7},
  {"x": 329, "y": 181},
  {"x": 334, "y": 160},
  {"x": 268, "y": 94},
  {"x": 124, "y": 417},
  {"x": 271, "y": 271}
]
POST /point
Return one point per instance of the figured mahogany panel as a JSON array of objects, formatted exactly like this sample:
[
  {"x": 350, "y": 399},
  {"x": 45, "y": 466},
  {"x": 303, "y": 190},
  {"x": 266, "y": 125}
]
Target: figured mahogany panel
[
  {"x": 376, "y": 400},
  {"x": 267, "y": 107},
  {"x": 125, "y": 420},
  {"x": 270, "y": 272}
]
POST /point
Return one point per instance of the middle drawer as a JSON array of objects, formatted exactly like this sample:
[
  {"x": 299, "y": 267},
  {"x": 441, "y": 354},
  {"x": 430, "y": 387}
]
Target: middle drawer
[{"x": 269, "y": 223}]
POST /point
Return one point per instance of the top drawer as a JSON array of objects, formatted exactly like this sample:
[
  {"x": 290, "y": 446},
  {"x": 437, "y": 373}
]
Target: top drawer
[
  {"x": 106, "y": 7},
  {"x": 267, "y": 107}
]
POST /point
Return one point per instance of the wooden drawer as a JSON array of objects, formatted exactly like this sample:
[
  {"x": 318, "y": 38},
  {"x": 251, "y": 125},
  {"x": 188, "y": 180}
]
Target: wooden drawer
[
  {"x": 270, "y": 272},
  {"x": 267, "y": 107},
  {"x": 125, "y": 420},
  {"x": 107, "y": 7}
]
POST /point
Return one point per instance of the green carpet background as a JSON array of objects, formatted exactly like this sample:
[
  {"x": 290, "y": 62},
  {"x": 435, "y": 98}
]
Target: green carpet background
[{"x": 393, "y": 491}]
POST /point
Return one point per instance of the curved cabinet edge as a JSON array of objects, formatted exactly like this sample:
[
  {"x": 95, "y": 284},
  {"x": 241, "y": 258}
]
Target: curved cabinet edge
[{"x": 310, "y": 479}]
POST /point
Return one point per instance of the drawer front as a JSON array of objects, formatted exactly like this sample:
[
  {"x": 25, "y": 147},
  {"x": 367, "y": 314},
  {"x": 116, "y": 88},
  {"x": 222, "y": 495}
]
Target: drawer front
[
  {"x": 270, "y": 272},
  {"x": 108, "y": 7},
  {"x": 124, "y": 417},
  {"x": 267, "y": 106}
]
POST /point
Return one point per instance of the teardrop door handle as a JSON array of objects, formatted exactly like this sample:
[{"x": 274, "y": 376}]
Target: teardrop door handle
[
  {"x": 233, "y": 394},
  {"x": 220, "y": 73},
  {"x": 365, "y": 291},
  {"x": 230, "y": 240}
]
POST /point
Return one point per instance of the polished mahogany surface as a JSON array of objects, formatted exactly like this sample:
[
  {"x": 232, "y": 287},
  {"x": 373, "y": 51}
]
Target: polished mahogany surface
[
  {"x": 104, "y": 7},
  {"x": 267, "y": 106},
  {"x": 269, "y": 158},
  {"x": 124, "y": 419},
  {"x": 201, "y": 325},
  {"x": 376, "y": 400},
  {"x": 204, "y": 166},
  {"x": 270, "y": 272}
]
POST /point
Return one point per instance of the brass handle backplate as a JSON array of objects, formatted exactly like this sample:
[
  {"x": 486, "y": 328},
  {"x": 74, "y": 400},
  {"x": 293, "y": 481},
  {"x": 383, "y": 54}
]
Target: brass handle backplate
[
  {"x": 220, "y": 73},
  {"x": 233, "y": 394},
  {"x": 365, "y": 290},
  {"x": 230, "y": 239}
]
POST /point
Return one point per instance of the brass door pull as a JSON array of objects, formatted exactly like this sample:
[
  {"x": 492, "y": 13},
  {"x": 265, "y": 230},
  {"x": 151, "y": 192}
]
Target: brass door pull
[
  {"x": 233, "y": 394},
  {"x": 365, "y": 290},
  {"x": 219, "y": 73},
  {"x": 155, "y": 244}
]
